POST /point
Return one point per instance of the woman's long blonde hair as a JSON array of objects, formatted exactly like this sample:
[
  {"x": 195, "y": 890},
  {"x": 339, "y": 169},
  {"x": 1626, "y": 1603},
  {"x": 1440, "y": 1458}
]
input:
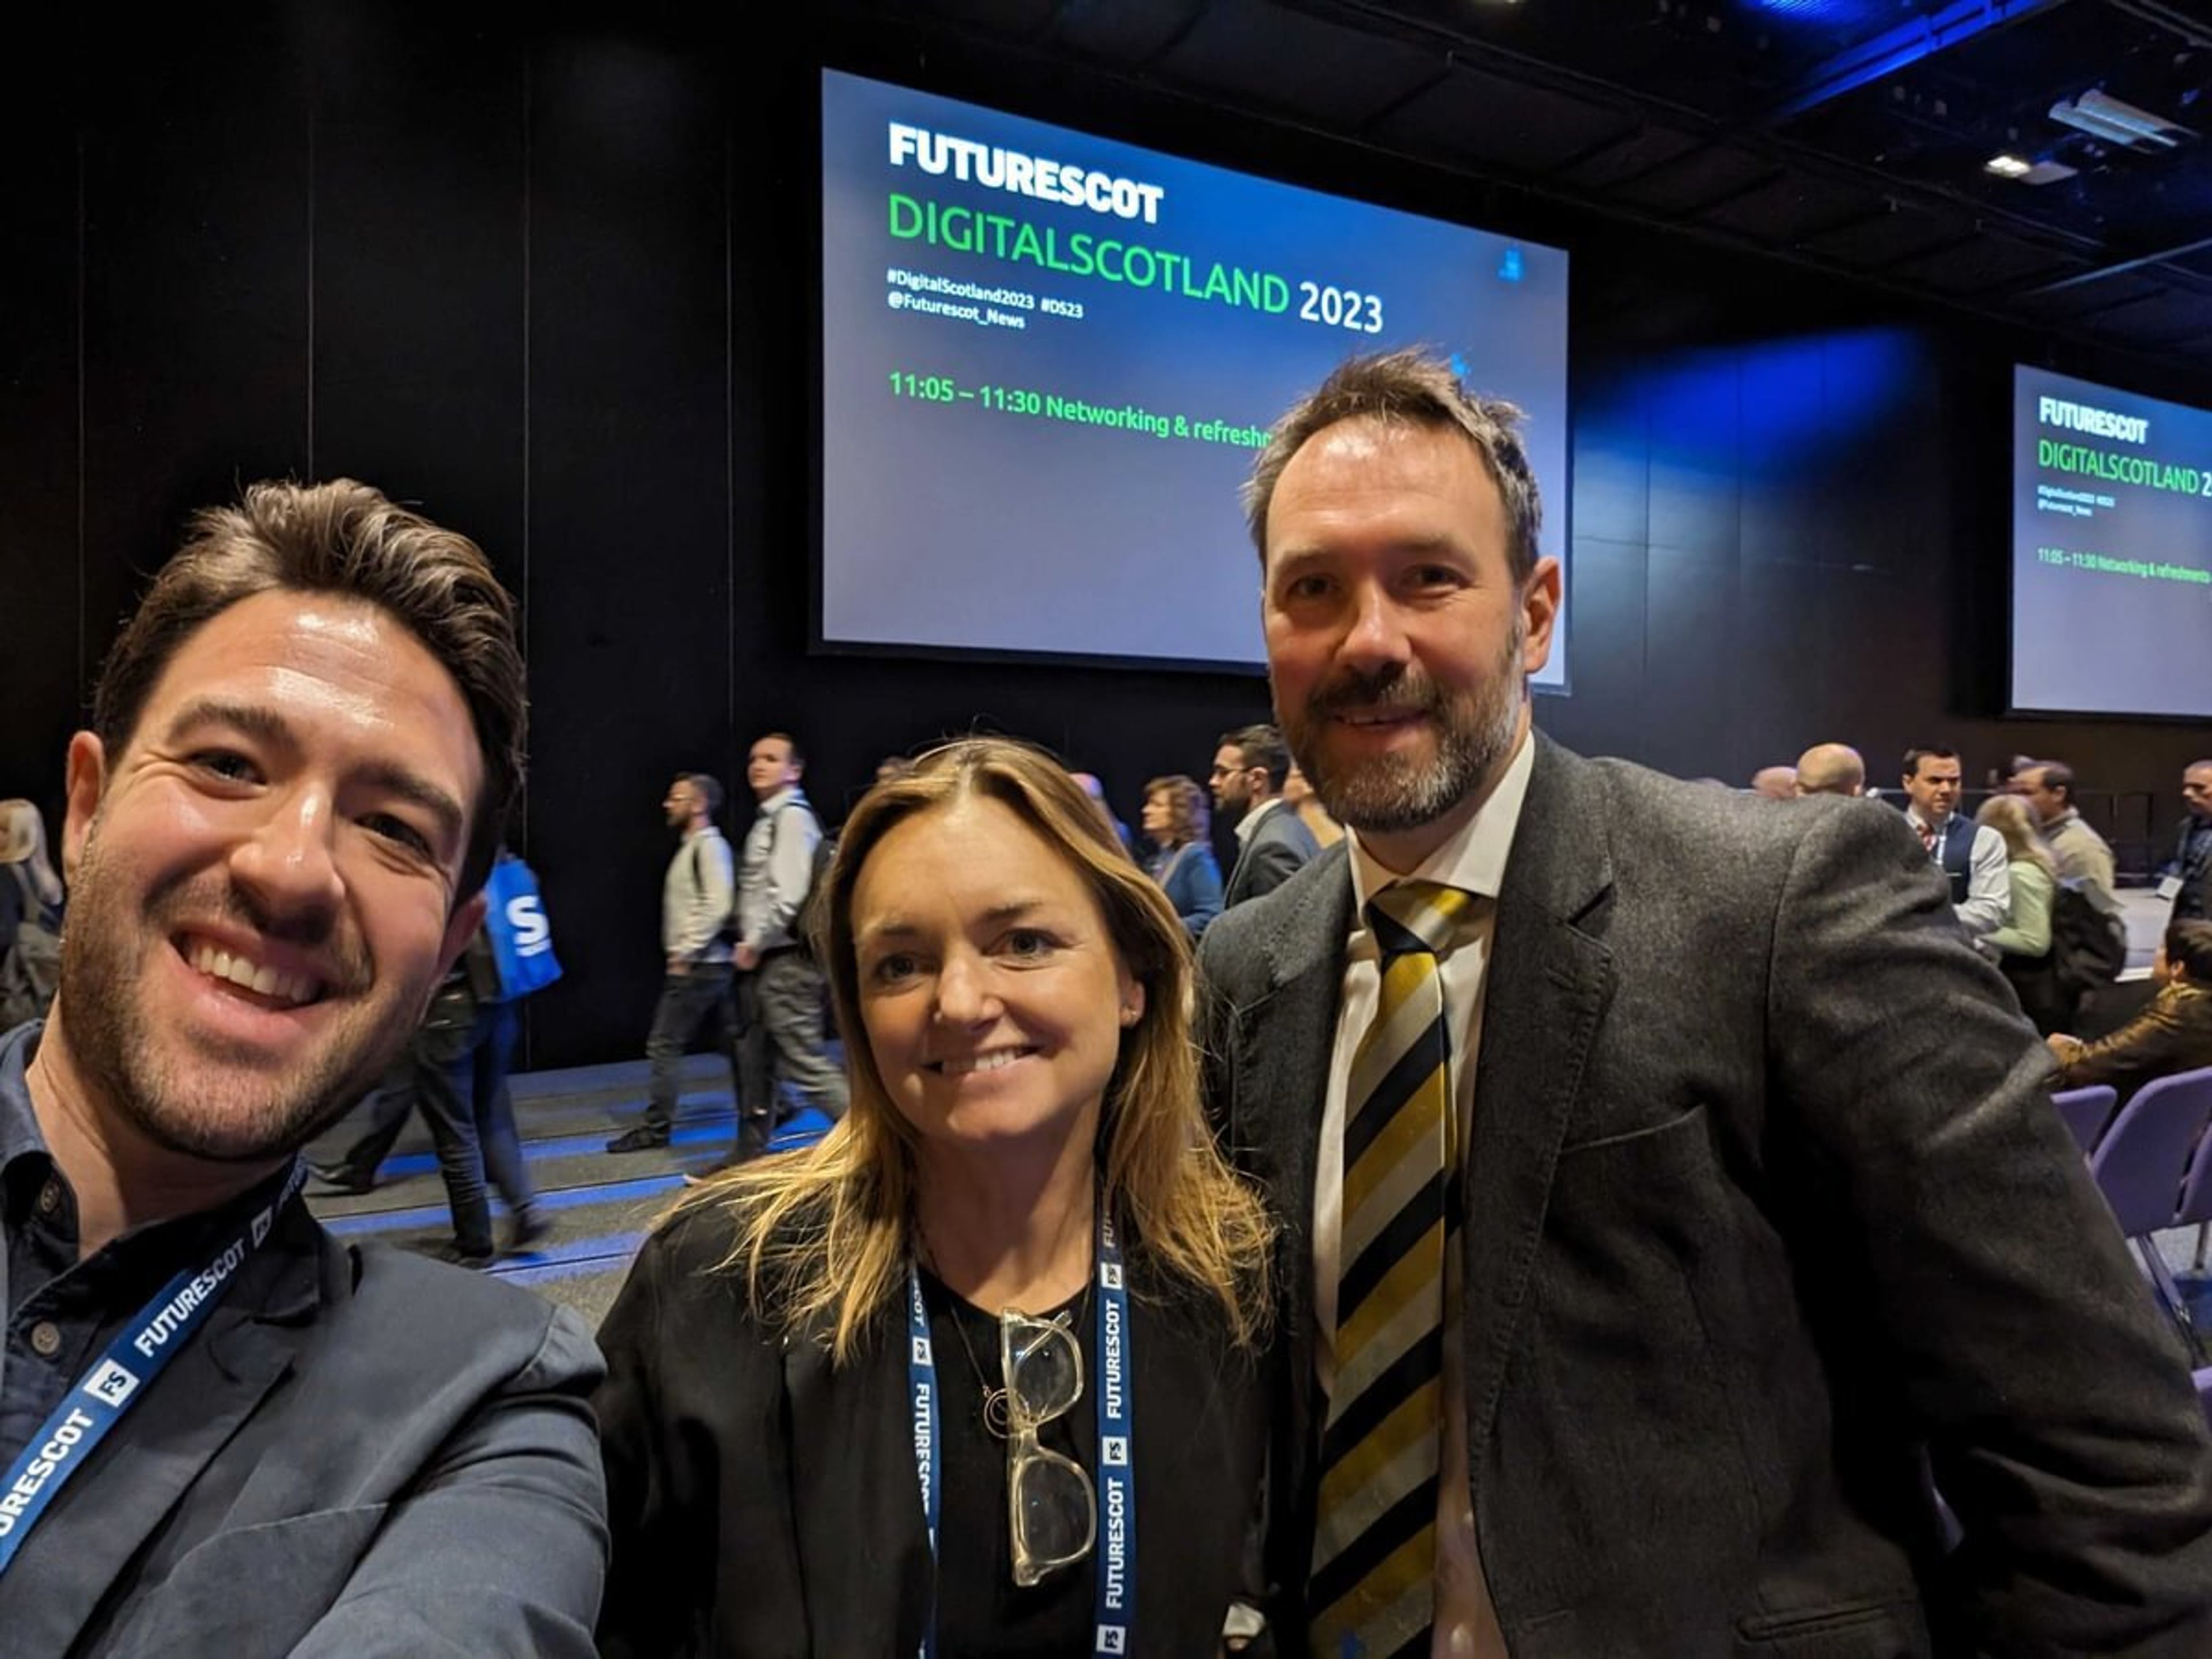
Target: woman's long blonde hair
[
  {"x": 823, "y": 1235},
  {"x": 2009, "y": 816}
]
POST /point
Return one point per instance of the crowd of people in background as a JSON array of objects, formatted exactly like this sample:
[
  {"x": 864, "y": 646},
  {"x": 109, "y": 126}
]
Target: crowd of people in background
[{"x": 739, "y": 973}]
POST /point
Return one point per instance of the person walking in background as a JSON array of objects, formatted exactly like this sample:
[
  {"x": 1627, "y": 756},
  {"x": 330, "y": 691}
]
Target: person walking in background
[
  {"x": 30, "y": 916},
  {"x": 698, "y": 897},
  {"x": 782, "y": 993},
  {"x": 1249, "y": 766},
  {"x": 462, "y": 1056},
  {"x": 1176, "y": 824},
  {"x": 2187, "y": 878},
  {"x": 2022, "y": 940},
  {"x": 2077, "y": 851}
]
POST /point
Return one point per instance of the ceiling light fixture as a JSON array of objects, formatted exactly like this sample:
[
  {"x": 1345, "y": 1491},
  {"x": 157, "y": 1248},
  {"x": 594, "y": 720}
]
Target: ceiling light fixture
[{"x": 2118, "y": 122}]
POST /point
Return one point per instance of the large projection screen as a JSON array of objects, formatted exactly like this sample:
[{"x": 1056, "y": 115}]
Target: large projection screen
[
  {"x": 1047, "y": 360},
  {"x": 2111, "y": 556}
]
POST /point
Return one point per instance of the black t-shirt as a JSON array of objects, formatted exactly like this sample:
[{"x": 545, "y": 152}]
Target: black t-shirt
[{"x": 980, "y": 1612}]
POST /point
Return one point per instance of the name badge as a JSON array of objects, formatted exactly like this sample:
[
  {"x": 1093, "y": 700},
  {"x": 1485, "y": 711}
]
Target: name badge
[{"x": 2170, "y": 888}]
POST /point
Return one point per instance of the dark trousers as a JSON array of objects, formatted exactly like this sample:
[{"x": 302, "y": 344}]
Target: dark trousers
[
  {"x": 789, "y": 989},
  {"x": 388, "y": 1108},
  {"x": 462, "y": 1056},
  {"x": 688, "y": 1000}
]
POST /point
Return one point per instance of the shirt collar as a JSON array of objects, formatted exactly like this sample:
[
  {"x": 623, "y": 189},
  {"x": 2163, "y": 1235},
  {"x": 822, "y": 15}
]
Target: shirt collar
[
  {"x": 1250, "y": 822},
  {"x": 1473, "y": 858},
  {"x": 1913, "y": 817},
  {"x": 782, "y": 799},
  {"x": 20, "y": 1137}
]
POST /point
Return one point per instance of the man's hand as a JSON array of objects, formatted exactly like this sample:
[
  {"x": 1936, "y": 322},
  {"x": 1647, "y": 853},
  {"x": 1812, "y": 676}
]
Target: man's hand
[
  {"x": 2063, "y": 1046},
  {"x": 678, "y": 967},
  {"x": 748, "y": 958}
]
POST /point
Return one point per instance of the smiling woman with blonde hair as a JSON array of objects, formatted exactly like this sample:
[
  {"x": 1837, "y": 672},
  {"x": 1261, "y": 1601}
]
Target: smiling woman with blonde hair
[{"x": 977, "y": 1374}]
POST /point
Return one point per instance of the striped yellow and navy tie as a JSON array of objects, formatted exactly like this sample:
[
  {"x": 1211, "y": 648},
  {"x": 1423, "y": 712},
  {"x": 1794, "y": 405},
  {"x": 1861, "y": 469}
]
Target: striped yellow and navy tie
[{"x": 1374, "y": 1544}]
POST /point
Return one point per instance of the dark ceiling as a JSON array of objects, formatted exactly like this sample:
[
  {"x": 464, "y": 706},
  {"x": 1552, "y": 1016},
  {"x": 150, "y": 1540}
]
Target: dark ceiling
[{"x": 1848, "y": 135}]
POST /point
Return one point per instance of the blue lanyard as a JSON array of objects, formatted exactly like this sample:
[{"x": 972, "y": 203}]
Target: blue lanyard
[
  {"x": 65, "y": 1443},
  {"x": 1115, "y": 1601}
]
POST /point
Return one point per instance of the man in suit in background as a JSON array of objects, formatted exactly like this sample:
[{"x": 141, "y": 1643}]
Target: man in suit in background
[
  {"x": 1658, "y": 1173},
  {"x": 304, "y": 746},
  {"x": 1249, "y": 765},
  {"x": 2188, "y": 879},
  {"x": 1970, "y": 855}
]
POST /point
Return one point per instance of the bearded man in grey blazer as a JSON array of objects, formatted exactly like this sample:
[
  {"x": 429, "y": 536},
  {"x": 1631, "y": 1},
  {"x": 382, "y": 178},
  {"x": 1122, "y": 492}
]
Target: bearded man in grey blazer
[{"x": 1666, "y": 1187}]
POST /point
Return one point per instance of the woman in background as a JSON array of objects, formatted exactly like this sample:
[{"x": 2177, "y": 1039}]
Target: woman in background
[
  {"x": 2023, "y": 942},
  {"x": 890, "y": 1394},
  {"x": 1177, "y": 824}
]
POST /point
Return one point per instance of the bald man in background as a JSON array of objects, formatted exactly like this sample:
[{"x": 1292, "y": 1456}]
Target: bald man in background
[{"x": 1830, "y": 769}]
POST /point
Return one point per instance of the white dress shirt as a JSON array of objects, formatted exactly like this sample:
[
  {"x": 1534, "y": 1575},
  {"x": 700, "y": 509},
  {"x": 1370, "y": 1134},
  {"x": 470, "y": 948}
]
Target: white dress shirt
[
  {"x": 1989, "y": 875},
  {"x": 1473, "y": 859}
]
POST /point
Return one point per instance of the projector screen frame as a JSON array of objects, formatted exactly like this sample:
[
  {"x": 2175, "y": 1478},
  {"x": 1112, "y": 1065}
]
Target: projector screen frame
[
  {"x": 1024, "y": 104},
  {"x": 2013, "y": 476}
]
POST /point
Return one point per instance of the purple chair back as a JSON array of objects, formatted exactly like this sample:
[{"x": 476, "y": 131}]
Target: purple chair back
[
  {"x": 2086, "y": 1111},
  {"x": 2196, "y": 1191},
  {"x": 2139, "y": 1162}
]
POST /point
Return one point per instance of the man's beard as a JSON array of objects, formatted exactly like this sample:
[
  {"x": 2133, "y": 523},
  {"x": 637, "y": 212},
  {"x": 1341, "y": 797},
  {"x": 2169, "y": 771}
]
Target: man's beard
[
  {"x": 1389, "y": 794},
  {"x": 178, "y": 1093}
]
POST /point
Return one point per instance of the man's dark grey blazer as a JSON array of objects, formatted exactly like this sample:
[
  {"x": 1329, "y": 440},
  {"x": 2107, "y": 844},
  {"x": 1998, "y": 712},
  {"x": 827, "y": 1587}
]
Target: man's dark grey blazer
[
  {"x": 362, "y": 1454},
  {"x": 1764, "y": 1194},
  {"x": 1279, "y": 847}
]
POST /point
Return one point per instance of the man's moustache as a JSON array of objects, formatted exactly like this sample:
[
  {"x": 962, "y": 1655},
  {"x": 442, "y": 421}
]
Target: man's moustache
[{"x": 1372, "y": 691}]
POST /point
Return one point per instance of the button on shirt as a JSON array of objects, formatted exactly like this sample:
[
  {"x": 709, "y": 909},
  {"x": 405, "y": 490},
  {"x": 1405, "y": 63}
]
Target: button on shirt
[
  {"x": 61, "y": 1312},
  {"x": 1465, "y": 1625}
]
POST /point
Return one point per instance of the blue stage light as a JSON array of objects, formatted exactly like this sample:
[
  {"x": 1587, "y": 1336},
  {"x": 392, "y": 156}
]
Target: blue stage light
[{"x": 1821, "y": 11}]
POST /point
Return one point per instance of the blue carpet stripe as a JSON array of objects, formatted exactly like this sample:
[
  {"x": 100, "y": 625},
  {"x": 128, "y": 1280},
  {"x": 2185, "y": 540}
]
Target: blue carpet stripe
[
  {"x": 600, "y": 1253},
  {"x": 437, "y": 1215},
  {"x": 525, "y": 1270},
  {"x": 701, "y": 1129}
]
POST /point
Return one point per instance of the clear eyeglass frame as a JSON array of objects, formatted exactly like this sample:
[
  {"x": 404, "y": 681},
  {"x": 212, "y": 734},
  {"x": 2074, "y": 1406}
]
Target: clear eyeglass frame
[{"x": 1050, "y": 1501}]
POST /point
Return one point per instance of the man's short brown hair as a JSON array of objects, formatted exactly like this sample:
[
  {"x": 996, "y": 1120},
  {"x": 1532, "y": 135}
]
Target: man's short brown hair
[
  {"x": 1415, "y": 388},
  {"x": 344, "y": 538}
]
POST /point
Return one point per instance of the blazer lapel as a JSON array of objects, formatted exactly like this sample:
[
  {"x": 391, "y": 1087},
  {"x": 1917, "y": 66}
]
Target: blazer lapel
[
  {"x": 1549, "y": 979},
  {"x": 1279, "y": 1051},
  {"x": 184, "y": 1419}
]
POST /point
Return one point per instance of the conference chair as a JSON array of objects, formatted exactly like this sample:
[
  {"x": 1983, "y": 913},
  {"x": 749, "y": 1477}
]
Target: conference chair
[
  {"x": 2086, "y": 1112},
  {"x": 2140, "y": 1166}
]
